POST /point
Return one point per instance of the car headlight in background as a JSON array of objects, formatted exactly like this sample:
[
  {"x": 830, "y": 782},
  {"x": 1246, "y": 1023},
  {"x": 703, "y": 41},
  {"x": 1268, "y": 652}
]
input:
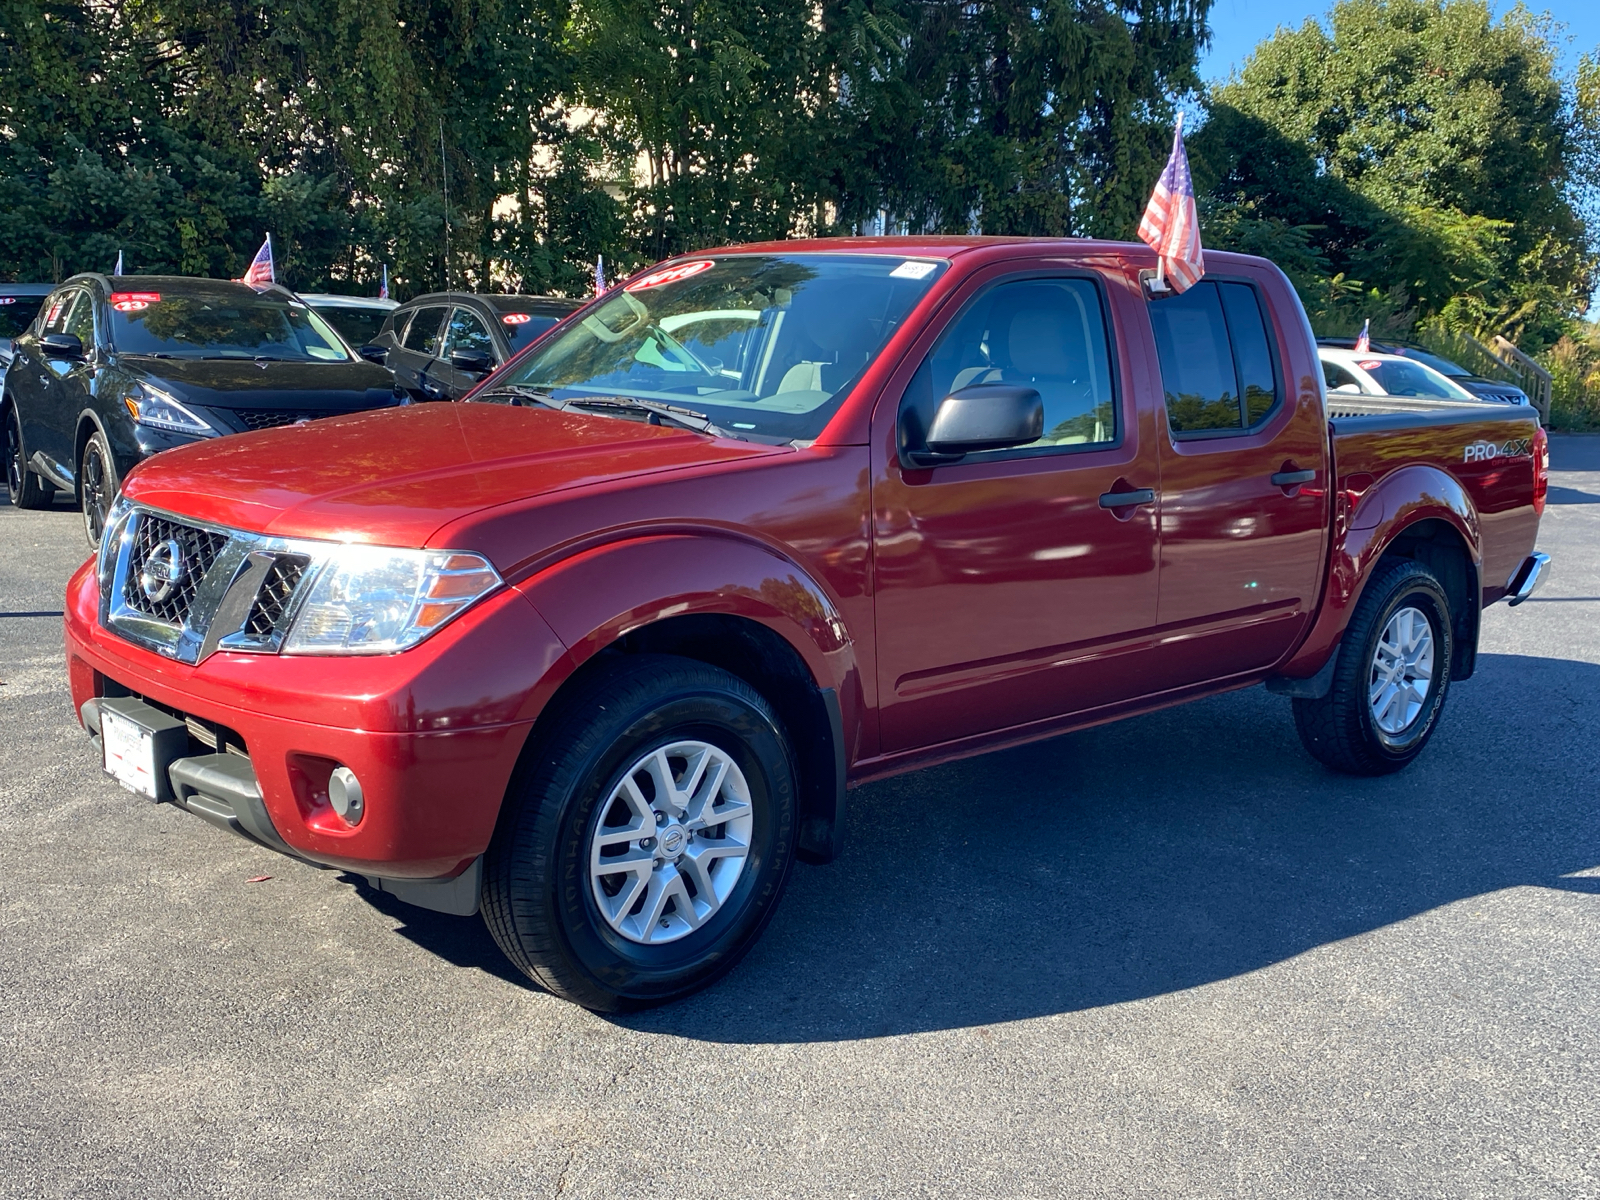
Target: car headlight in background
[
  {"x": 154, "y": 409},
  {"x": 374, "y": 600}
]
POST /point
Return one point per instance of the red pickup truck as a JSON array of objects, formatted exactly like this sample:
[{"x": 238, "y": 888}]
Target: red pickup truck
[{"x": 599, "y": 650}]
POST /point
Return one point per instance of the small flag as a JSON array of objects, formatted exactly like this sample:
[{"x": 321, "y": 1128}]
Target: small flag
[
  {"x": 117, "y": 270},
  {"x": 383, "y": 288},
  {"x": 599, "y": 274},
  {"x": 260, "y": 269},
  {"x": 1364, "y": 342},
  {"x": 1171, "y": 226}
]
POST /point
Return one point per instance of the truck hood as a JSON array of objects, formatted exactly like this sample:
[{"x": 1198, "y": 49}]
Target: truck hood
[
  {"x": 396, "y": 476},
  {"x": 244, "y": 383}
]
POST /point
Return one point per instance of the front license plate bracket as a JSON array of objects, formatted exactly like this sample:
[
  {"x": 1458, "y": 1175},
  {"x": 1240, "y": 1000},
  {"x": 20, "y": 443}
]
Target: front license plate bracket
[{"x": 139, "y": 743}]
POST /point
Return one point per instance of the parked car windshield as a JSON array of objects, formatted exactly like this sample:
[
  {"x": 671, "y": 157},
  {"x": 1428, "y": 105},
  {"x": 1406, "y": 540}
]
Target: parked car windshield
[
  {"x": 765, "y": 345},
  {"x": 522, "y": 328},
  {"x": 17, "y": 313},
  {"x": 1442, "y": 365},
  {"x": 221, "y": 323},
  {"x": 1398, "y": 377},
  {"x": 358, "y": 326}
]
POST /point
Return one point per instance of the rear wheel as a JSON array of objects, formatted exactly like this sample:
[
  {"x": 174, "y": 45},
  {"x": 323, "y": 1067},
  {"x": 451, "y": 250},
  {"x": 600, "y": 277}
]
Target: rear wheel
[
  {"x": 23, "y": 488},
  {"x": 97, "y": 486},
  {"x": 648, "y": 838},
  {"x": 1392, "y": 678}
]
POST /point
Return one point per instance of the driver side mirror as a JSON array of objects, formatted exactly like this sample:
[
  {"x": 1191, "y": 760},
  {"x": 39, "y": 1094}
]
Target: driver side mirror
[
  {"x": 374, "y": 353},
  {"x": 987, "y": 416},
  {"x": 472, "y": 362},
  {"x": 61, "y": 345}
]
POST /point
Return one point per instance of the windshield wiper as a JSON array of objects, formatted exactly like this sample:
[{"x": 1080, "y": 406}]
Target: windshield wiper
[
  {"x": 686, "y": 417},
  {"x": 520, "y": 392}
]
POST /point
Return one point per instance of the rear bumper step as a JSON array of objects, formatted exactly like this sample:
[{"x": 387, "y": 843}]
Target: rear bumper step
[{"x": 1535, "y": 569}]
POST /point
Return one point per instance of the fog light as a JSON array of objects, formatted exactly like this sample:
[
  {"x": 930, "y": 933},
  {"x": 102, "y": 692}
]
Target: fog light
[{"x": 344, "y": 793}]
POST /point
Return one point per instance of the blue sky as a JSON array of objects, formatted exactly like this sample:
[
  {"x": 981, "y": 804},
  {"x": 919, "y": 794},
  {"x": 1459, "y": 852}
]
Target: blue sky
[{"x": 1238, "y": 25}]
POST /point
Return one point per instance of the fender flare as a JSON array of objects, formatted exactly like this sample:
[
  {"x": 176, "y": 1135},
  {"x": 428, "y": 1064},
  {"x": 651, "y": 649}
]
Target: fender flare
[
  {"x": 601, "y": 595},
  {"x": 1367, "y": 526}
]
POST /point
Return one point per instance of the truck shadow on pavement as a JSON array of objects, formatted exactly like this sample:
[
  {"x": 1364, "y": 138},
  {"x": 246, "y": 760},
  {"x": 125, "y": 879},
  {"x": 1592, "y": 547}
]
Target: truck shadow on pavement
[{"x": 1141, "y": 858}]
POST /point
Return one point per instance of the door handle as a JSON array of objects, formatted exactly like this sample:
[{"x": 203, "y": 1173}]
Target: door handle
[
  {"x": 1292, "y": 478},
  {"x": 1124, "y": 499}
]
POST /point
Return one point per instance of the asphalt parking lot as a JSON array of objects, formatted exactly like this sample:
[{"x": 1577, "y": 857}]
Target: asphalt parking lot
[{"x": 1170, "y": 957}]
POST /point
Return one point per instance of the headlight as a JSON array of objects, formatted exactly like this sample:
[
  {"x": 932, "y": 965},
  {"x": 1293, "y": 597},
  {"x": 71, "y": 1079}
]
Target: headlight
[
  {"x": 372, "y": 600},
  {"x": 154, "y": 409},
  {"x": 111, "y": 540}
]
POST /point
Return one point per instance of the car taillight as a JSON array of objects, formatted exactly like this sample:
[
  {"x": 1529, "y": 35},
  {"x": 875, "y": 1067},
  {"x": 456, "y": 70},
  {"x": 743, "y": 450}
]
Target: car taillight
[{"x": 1541, "y": 469}]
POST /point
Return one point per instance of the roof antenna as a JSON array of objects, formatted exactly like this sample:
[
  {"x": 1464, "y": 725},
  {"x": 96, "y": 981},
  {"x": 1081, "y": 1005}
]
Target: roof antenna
[{"x": 444, "y": 169}]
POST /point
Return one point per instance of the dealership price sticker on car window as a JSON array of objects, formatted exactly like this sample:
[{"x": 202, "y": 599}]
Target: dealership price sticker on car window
[
  {"x": 517, "y": 318},
  {"x": 130, "y": 754},
  {"x": 912, "y": 270},
  {"x": 134, "y": 301},
  {"x": 8, "y": 299},
  {"x": 670, "y": 275}
]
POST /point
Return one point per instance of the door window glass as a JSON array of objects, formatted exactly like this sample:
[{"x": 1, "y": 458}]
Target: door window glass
[
  {"x": 57, "y": 310},
  {"x": 422, "y": 335},
  {"x": 17, "y": 313},
  {"x": 80, "y": 321},
  {"x": 1049, "y": 334},
  {"x": 1217, "y": 366},
  {"x": 466, "y": 331},
  {"x": 1338, "y": 379}
]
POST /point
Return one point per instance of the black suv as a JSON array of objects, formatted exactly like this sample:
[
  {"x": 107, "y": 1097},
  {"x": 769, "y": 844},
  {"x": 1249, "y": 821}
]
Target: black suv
[
  {"x": 114, "y": 369},
  {"x": 439, "y": 346}
]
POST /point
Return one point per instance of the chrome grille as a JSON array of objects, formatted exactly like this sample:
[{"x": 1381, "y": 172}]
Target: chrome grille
[
  {"x": 277, "y": 589},
  {"x": 200, "y": 548}
]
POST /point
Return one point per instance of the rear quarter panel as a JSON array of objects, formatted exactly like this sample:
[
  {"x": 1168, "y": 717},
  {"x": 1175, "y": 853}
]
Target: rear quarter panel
[{"x": 1475, "y": 472}]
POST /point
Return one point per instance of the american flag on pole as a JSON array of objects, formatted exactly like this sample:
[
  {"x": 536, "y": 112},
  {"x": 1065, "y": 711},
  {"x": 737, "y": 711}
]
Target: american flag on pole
[
  {"x": 260, "y": 269},
  {"x": 599, "y": 274},
  {"x": 383, "y": 288},
  {"x": 1171, "y": 226},
  {"x": 1364, "y": 342}
]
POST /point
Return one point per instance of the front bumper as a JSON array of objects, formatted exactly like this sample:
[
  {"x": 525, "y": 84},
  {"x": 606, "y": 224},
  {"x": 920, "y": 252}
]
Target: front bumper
[{"x": 432, "y": 734}]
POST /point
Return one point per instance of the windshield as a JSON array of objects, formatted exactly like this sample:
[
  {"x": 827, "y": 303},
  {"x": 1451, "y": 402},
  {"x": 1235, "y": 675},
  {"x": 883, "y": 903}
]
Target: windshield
[
  {"x": 358, "y": 325},
  {"x": 763, "y": 345},
  {"x": 1442, "y": 365},
  {"x": 1401, "y": 378},
  {"x": 221, "y": 324},
  {"x": 522, "y": 328},
  {"x": 17, "y": 313}
]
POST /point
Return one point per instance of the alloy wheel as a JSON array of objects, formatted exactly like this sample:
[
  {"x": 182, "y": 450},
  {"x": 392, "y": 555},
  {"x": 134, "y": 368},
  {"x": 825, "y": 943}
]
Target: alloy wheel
[
  {"x": 670, "y": 842},
  {"x": 1402, "y": 671},
  {"x": 96, "y": 502}
]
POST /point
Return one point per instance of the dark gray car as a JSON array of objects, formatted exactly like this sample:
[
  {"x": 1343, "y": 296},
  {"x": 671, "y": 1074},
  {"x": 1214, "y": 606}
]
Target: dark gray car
[{"x": 441, "y": 345}]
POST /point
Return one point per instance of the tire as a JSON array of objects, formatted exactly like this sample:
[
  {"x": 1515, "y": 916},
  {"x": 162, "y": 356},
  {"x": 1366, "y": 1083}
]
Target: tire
[
  {"x": 1358, "y": 727},
  {"x": 97, "y": 485},
  {"x": 23, "y": 487},
  {"x": 575, "y": 808}
]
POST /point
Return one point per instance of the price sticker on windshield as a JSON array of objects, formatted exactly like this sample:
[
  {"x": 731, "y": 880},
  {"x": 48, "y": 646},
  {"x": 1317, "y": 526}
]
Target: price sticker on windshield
[
  {"x": 670, "y": 275},
  {"x": 912, "y": 270},
  {"x": 1369, "y": 364},
  {"x": 8, "y": 299},
  {"x": 134, "y": 301},
  {"x": 517, "y": 318}
]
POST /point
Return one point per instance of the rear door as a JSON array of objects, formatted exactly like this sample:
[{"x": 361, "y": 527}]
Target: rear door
[
  {"x": 418, "y": 346},
  {"x": 465, "y": 330},
  {"x": 1245, "y": 510},
  {"x": 48, "y": 389},
  {"x": 1007, "y": 591}
]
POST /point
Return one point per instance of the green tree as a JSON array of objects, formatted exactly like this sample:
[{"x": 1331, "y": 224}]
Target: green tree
[{"x": 1427, "y": 150}]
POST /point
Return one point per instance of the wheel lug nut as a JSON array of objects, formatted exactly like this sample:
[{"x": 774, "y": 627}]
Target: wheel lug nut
[{"x": 648, "y": 844}]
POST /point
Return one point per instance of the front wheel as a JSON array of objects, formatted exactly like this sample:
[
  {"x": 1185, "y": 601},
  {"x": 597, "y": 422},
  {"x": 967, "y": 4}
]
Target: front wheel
[
  {"x": 1392, "y": 677},
  {"x": 648, "y": 837},
  {"x": 97, "y": 486}
]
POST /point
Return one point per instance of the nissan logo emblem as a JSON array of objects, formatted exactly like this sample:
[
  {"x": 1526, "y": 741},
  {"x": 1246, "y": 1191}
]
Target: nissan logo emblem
[{"x": 162, "y": 571}]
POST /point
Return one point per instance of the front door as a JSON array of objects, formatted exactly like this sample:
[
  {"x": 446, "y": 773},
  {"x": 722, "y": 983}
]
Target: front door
[
  {"x": 1244, "y": 512},
  {"x": 1017, "y": 585},
  {"x": 417, "y": 347},
  {"x": 464, "y": 331}
]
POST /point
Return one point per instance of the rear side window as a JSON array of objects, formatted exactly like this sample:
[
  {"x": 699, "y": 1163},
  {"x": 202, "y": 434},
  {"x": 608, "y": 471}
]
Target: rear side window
[
  {"x": 1217, "y": 365},
  {"x": 422, "y": 335},
  {"x": 1049, "y": 334}
]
